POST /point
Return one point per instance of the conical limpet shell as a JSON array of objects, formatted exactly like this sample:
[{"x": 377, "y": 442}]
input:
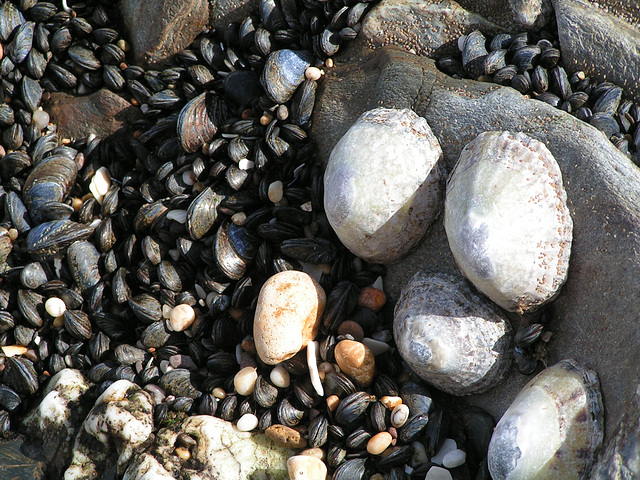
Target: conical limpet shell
[
  {"x": 383, "y": 184},
  {"x": 507, "y": 220},
  {"x": 451, "y": 337},
  {"x": 552, "y": 430}
]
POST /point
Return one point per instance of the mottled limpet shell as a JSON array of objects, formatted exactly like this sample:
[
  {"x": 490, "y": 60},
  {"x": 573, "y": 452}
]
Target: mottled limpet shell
[
  {"x": 507, "y": 220},
  {"x": 450, "y": 336},
  {"x": 383, "y": 184},
  {"x": 552, "y": 430}
]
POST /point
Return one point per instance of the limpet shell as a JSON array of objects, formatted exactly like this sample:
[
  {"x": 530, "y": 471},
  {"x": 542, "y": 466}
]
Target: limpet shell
[
  {"x": 383, "y": 184},
  {"x": 552, "y": 430},
  {"x": 451, "y": 337},
  {"x": 507, "y": 220}
]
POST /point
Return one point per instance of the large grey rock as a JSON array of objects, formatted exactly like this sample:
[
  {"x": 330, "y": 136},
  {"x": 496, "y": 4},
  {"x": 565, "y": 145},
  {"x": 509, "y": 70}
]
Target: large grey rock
[
  {"x": 158, "y": 29},
  {"x": 224, "y": 12},
  {"x": 594, "y": 318},
  {"x": 602, "y": 44}
]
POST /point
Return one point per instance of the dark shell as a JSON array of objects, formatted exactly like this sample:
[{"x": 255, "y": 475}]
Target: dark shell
[
  {"x": 20, "y": 375},
  {"x": 283, "y": 72},
  {"x": 77, "y": 323},
  {"x": 83, "y": 257},
  {"x": 195, "y": 126},
  {"x": 51, "y": 238}
]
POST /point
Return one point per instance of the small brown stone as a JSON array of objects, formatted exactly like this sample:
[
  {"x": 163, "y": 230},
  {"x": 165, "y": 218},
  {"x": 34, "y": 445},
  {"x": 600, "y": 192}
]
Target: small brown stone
[
  {"x": 332, "y": 402},
  {"x": 356, "y": 361},
  {"x": 285, "y": 436},
  {"x": 349, "y": 327},
  {"x": 372, "y": 298}
]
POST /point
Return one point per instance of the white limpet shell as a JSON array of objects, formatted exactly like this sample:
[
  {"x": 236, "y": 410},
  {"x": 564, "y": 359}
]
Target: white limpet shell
[
  {"x": 552, "y": 430},
  {"x": 383, "y": 184},
  {"x": 507, "y": 220},
  {"x": 450, "y": 336}
]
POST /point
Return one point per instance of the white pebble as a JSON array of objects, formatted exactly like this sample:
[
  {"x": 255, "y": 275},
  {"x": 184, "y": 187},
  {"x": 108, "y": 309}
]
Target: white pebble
[
  {"x": 181, "y": 317},
  {"x": 419, "y": 456},
  {"x": 166, "y": 311},
  {"x": 245, "y": 380},
  {"x": 40, "y": 119},
  {"x": 55, "y": 306},
  {"x": 275, "y": 191},
  {"x": 448, "y": 446},
  {"x": 454, "y": 458},
  {"x": 377, "y": 347},
  {"x": 399, "y": 415},
  {"x": 179, "y": 216},
  {"x": 188, "y": 177},
  {"x": 306, "y": 207},
  {"x": 461, "y": 41},
  {"x": 280, "y": 377},
  {"x": 378, "y": 284},
  {"x": 313, "y": 73},
  {"x": 200, "y": 291},
  {"x": 102, "y": 181},
  {"x": 247, "y": 422},
  {"x": 438, "y": 473},
  {"x": 312, "y": 361},
  {"x": 245, "y": 164}
]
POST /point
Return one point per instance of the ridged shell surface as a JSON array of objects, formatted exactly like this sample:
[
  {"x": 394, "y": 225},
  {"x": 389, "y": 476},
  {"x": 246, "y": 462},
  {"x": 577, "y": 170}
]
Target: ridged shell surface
[
  {"x": 451, "y": 337},
  {"x": 552, "y": 430},
  {"x": 507, "y": 220},
  {"x": 384, "y": 184}
]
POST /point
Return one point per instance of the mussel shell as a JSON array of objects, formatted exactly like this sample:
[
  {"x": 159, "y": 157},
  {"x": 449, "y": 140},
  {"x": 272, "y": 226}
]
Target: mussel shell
[
  {"x": 474, "y": 53},
  {"x": 283, "y": 72},
  {"x": 10, "y": 19},
  {"x": 264, "y": 393},
  {"x": 83, "y": 257},
  {"x": 50, "y": 238},
  {"x": 352, "y": 408},
  {"x": 77, "y": 323},
  {"x": 22, "y": 42},
  {"x": 20, "y": 375},
  {"x": 31, "y": 306},
  {"x": 9, "y": 399},
  {"x": 195, "y": 126},
  {"x": 155, "y": 335}
]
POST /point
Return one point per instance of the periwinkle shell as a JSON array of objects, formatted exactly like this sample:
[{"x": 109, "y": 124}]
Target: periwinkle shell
[
  {"x": 383, "y": 184},
  {"x": 451, "y": 337},
  {"x": 507, "y": 220},
  {"x": 552, "y": 430}
]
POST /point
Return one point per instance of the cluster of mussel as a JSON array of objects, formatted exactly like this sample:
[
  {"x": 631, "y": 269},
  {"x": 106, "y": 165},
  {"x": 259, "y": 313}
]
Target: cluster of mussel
[
  {"x": 103, "y": 240},
  {"x": 532, "y": 64}
]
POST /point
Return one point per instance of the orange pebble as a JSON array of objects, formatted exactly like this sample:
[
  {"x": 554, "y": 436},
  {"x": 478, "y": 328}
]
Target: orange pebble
[
  {"x": 332, "y": 402},
  {"x": 372, "y": 298}
]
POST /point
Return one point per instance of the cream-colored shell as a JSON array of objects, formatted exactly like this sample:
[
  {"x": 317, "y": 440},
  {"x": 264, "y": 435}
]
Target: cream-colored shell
[{"x": 507, "y": 220}]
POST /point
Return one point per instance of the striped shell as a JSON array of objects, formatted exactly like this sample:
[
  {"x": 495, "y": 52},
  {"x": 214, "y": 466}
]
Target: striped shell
[{"x": 507, "y": 220}]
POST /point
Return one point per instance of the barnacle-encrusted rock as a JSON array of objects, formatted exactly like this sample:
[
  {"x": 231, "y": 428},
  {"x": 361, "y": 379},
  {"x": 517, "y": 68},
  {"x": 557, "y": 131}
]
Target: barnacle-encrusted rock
[
  {"x": 383, "y": 184},
  {"x": 553, "y": 428},
  {"x": 450, "y": 336},
  {"x": 507, "y": 220}
]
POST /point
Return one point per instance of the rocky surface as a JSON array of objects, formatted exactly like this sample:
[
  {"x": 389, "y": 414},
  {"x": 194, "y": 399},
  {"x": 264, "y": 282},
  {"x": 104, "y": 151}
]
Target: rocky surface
[
  {"x": 591, "y": 316},
  {"x": 601, "y": 44},
  {"x": 224, "y": 11},
  {"x": 102, "y": 113}
]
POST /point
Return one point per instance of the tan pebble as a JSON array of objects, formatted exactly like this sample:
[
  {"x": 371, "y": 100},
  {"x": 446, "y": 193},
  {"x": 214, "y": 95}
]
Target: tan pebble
[
  {"x": 391, "y": 402},
  {"x": 181, "y": 317},
  {"x": 329, "y": 62},
  {"x": 282, "y": 113},
  {"x": 372, "y": 298},
  {"x": 304, "y": 467},
  {"x": 316, "y": 452},
  {"x": 248, "y": 345},
  {"x": 14, "y": 350},
  {"x": 349, "y": 327},
  {"x": 379, "y": 443},
  {"x": 183, "y": 453},
  {"x": 332, "y": 402},
  {"x": 288, "y": 315},
  {"x": 285, "y": 436},
  {"x": 376, "y": 476},
  {"x": 266, "y": 119},
  {"x": 313, "y": 73},
  {"x": 356, "y": 361},
  {"x": 219, "y": 393},
  {"x": 13, "y": 234},
  {"x": 58, "y": 322},
  {"x": 245, "y": 380},
  {"x": 275, "y": 191}
]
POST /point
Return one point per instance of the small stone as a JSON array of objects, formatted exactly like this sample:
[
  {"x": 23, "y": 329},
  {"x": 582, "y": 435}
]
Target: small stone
[
  {"x": 454, "y": 458},
  {"x": 372, "y": 298},
  {"x": 438, "y": 473},
  {"x": 332, "y": 402},
  {"x": 55, "y": 306},
  {"x": 288, "y": 315},
  {"x": 316, "y": 452},
  {"x": 275, "y": 191},
  {"x": 181, "y": 317},
  {"x": 349, "y": 327},
  {"x": 247, "y": 422},
  {"x": 399, "y": 415},
  {"x": 183, "y": 453},
  {"x": 40, "y": 119},
  {"x": 391, "y": 401},
  {"x": 379, "y": 443},
  {"x": 245, "y": 380},
  {"x": 356, "y": 361},
  {"x": 280, "y": 377},
  {"x": 376, "y": 346},
  {"x": 313, "y": 73},
  {"x": 285, "y": 436},
  {"x": 449, "y": 445},
  {"x": 305, "y": 467}
]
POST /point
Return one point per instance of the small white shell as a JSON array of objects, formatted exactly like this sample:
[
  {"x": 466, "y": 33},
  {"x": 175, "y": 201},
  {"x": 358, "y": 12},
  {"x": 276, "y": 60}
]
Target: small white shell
[
  {"x": 507, "y": 220},
  {"x": 552, "y": 430},
  {"x": 451, "y": 337}
]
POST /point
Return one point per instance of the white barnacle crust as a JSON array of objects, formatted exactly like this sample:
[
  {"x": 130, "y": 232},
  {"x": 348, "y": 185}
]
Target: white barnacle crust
[
  {"x": 507, "y": 220},
  {"x": 383, "y": 184},
  {"x": 552, "y": 430}
]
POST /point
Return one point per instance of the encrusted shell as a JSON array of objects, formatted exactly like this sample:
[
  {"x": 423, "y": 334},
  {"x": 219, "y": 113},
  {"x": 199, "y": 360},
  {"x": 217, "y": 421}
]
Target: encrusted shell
[
  {"x": 507, "y": 220},
  {"x": 451, "y": 337},
  {"x": 383, "y": 184},
  {"x": 553, "y": 429}
]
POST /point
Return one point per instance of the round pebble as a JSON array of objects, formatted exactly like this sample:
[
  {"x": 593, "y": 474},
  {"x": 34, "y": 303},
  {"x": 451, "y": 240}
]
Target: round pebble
[
  {"x": 372, "y": 298},
  {"x": 379, "y": 443},
  {"x": 356, "y": 361},
  {"x": 247, "y": 422},
  {"x": 183, "y": 453},
  {"x": 219, "y": 393},
  {"x": 419, "y": 456},
  {"x": 399, "y": 415},
  {"x": 449, "y": 445},
  {"x": 349, "y": 327},
  {"x": 438, "y": 473},
  {"x": 40, "y": 118},
  {"x": 305, "y": 467},
  {"x": 282, "y": 112},
  {"x": 316, "y": 452},
  {"x": 245, "y": 380},
  {"x": 454, "y": 458},
  {"x": 313, "y": 73},
  {"x": 55, "y": 306},
  {"x": 285, "y": 436},
  {"x": 181, "y": 317},
  {"x": 275, "y": 191},
  {"x": 280, "y": 377}
]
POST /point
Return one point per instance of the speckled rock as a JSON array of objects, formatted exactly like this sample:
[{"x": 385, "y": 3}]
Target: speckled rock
[
  {"x": 450, "y": 336},
  {"x": 356, "y": 361},
  {"x": 305, "y": 467},
  {"x": 288, "y": 315},
  {"x": 122, "y": 417},
  {"x": 222, "y": 452},
  {"x": 224, "y": 12},
  {"x": 383, "y": 184}
]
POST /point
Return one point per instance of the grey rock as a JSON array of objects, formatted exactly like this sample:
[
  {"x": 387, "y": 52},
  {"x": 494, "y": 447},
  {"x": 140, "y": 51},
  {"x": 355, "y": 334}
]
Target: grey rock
[
  {"x": 224, "y": 12},
  {"x": 602, "y": 44},
  {"x": 159, "y": 29},
  {"x": 593, "y": 317},
  {"x": 102, "y": 113}
]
